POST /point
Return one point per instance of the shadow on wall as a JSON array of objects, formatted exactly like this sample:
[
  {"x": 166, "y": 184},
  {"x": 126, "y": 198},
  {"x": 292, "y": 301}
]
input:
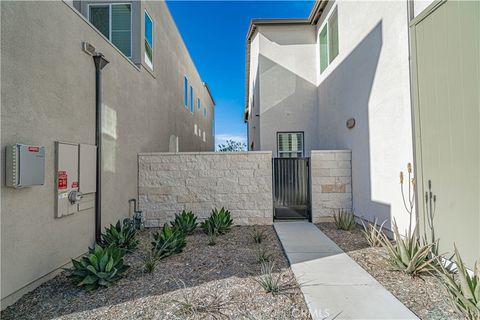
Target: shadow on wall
[
  {"x": 355, "y": 75},
  {"x": 288, "y": 102}
]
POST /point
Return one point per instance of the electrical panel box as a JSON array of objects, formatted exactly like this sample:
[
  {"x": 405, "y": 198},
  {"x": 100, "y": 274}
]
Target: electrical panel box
[
  {"x": 25, "y": 165},
  {"x": 75, "y": 177}
]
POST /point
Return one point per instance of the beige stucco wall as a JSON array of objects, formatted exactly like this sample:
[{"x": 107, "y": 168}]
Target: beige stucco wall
[
  {"x": 48, "y": 95},
  {"x": 239, "y": 181},
  {"x": 331, "y": 176}
]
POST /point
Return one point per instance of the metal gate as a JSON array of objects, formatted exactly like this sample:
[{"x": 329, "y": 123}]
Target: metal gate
[{"x": 291, "y": 188}]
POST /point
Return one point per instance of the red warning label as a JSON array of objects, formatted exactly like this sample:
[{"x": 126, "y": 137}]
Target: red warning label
[
  {"x": 75, "y": 184},
  {"x": 62, "y": 180},
  {"x": 33, "y": 149}
]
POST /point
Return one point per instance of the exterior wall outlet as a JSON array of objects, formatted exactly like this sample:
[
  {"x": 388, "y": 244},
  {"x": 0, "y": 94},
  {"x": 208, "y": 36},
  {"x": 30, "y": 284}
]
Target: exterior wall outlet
[{"x": 25, "y": 165}]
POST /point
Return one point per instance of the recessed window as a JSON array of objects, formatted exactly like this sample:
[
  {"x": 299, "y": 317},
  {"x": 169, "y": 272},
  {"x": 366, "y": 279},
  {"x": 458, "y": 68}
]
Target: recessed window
[
  {"x": 191, "y": 99},
  {"x": 185, "y": 91},
  {"x": 203, "y": 136},
  {"x": 205, "y": 112},
  {"x": 114, "y": 21},
  {"x": 198, "y": 103},
  {"x": 328, "y": 41},
  {"x": 195, "y": 129},
  {"x": 148, "y": 40},
  {"x": 290, "y": 144}
]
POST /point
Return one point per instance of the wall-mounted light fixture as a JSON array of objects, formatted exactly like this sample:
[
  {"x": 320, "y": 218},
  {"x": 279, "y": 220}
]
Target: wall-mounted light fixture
[{"x": 350, "y": 123}]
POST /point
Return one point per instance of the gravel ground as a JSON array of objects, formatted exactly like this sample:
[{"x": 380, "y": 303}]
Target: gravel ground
[
  {"x": 202, "y": 282},
  {"x": 424, "y": 295}
]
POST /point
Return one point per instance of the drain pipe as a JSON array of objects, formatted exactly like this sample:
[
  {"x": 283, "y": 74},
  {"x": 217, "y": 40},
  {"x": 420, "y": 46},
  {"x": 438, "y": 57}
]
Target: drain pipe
[{"x": 100, "y": 62}]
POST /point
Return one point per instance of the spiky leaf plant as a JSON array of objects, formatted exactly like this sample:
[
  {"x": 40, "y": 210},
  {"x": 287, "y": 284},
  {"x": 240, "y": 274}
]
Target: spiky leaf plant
[
  {"x": 258, "y": 235},
  {"x": 407, "y": 254},
  {"x": 267, "y": 280},
  {"x": 373, "y": 233},
  {"x": 219, "y": 222},
  {"x": 344, "y": 219},
  {"x": 185, "y": 221},
  {"x": 212, "y": 239},
  {"x": 168, "y": 241},
  {"x": 463, "y": 287},
  {"x": 149, "y": 262},
  {"x": 262, "y": 254},
  {"x": 100, "y": 267},
  {"x": 121, "y": 236}
]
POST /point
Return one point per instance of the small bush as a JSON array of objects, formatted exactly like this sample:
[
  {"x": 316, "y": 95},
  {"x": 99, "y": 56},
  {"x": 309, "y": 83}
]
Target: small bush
[
  {"x": 267, "y": 280},
  {"x": 463, "y": 290},
  {"x": 122, "y": 236},
  {"x": 407, "y": 254},
  {"x": 149, "y": 262},
  {"x": 373, "y": 233},
  {"x": 262, "y": 254},
  {"x": 100, "y": 267},
  {"x": 185, "y": 221},
  {"x": 168, "y": 241},
  {"x": 258, "y": 236},
  {"x": 344, "y": 219},
  {"x": 219, "y": 222}
]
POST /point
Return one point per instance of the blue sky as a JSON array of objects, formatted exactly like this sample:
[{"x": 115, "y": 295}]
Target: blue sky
[{"x": 214, "y": 33}]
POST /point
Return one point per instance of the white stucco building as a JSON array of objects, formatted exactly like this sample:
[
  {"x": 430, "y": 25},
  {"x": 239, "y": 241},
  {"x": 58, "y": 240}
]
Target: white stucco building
[{"x": 349, "y": 61}]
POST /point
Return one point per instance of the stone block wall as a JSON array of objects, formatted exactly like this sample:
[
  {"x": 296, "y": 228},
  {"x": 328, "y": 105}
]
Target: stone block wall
[
  {"x": 331, "y": 176},
  {"x": 239, "y": 181}
]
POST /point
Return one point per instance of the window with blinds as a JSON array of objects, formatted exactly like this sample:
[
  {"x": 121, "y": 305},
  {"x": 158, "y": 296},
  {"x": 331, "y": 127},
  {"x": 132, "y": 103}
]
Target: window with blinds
[
  {"x": 114, "y": 21},
  {"x": 290, "y": 144}
]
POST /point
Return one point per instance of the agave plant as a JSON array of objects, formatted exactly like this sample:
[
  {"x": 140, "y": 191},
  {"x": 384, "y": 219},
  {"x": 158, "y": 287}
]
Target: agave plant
[
  {"x": 185, "y": 221},
  {"x": 100, "y": 267},
  {"x": 219, "y": 222},
  {"x": 168, "y": 241},
  {"x": 121, "y": 236},
  {"x": 373, "y": 233},
  {"x": 463, "y": 290},
  {"x": 344, "y": 219},
  {"x": 407, "y": 254}
]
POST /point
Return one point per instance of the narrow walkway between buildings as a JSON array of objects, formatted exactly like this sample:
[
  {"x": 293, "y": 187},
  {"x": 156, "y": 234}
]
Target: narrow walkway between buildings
[{"x": 334, "y": 286}]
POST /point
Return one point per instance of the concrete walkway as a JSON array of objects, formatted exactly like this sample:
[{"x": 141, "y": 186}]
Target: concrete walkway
[{"x": 334, "y": 286}]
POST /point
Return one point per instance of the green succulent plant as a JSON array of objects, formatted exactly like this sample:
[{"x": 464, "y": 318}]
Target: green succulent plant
[
  {"x": 407, "y": 254},
  {"x": 267, "y": 280},
  {"x": 344, "y": 219},
  {"x": 101, "y": 267},
  {"x": 122, "y": 236},
  {"x": 185, "y": 221},
  {"x": 168, "y": 241},
  {"x": 219, "y": 222},
  {"x": 258, "y": 235},
  {"x": 373, "y": 233},
  {"x": 462, "y": 287}
]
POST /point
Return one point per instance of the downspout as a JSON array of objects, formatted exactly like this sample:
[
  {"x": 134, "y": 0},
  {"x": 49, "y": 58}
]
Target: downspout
[{"x": 100, "y": 62}]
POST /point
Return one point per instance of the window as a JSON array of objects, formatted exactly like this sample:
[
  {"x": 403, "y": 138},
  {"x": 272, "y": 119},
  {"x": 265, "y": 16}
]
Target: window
[
  {"x": 203, "y": 136},
  {"x": 328, "y": 41},
  {"x": 290, "y": 144},
  {"x": 114, "y": 21},
  {"x": 205, "y": 112},
  {"x": 191, "y": 99},
  {"x": 198, "y": 103},
  {"x": 185, "y": 91},
  {"x": 333, "y": 36},
  {"x": 195, "y": 129},
  {"x": 148, "y": 40}
]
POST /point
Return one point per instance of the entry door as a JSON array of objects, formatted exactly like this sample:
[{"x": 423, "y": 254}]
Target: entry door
[
  {"x": 291, "y": 189},
  {"x": 446, "y": 71}
]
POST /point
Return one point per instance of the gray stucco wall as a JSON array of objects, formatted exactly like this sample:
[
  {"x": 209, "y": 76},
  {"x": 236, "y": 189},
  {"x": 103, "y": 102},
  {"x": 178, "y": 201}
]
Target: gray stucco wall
[
  {"x": 199, "y": 182},
  {"x": 285, "y": 88},
  {"x": 48, "y": 95}
]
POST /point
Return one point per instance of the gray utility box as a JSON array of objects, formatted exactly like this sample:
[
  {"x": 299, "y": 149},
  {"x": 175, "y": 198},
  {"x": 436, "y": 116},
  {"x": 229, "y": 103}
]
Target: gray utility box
[{"x": 25, "y": 165}]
